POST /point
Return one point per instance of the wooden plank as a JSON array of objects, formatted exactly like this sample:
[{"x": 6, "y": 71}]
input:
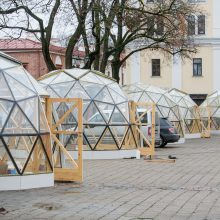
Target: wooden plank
[
  {"x": 67, "y": 174},
  {"x": 60, "y": 121}
]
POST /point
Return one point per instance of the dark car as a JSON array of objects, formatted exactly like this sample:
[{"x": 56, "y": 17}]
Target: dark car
[{"x": 168, "y": 133}]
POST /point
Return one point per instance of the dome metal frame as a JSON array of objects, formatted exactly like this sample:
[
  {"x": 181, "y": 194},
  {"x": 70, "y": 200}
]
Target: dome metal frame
[
  {"x": 165, "y": 105},
  {"x": 25, "y": 147},
  {"x": 188, "y": 109},
  {"x": 211, "y": 108},
  {"x": 106, "y": 116}
]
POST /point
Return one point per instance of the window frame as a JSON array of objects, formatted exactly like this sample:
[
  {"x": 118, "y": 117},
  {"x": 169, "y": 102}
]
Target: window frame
[
  {"x": 198, "y": 67},
  {"x": 155, "y": 67}
]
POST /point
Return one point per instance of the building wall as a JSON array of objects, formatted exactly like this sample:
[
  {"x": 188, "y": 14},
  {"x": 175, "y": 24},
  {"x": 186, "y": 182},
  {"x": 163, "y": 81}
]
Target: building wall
[
  {"x": 178, "y": 73},
  {"x": 34, "y": 61},
  {"x": 198, "y": 84}
]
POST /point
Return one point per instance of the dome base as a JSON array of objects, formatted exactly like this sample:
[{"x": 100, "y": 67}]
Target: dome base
[
  {"x": 26, "y": 181},
  {"x": 108, "y": 154},
  {"x": 193, "y": 136}
]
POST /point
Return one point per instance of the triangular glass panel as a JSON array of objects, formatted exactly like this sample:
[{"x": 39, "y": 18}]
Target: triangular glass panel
[
  {"x": 93, "y": 116},
  {"x": 128, "y": 142},
  {"x": 107, "y": 142},
  {"x": 116, "y": 97},
  {"x": 70, "y": 122},
  {"x": 76, "y": 73},
  {"x": 105, "y": 109},
  {"x": 21, "y": 77},
  {"x": 117, "y": 117},
  {"x": 8, "y": 63},
  {"x": 86, "y": 103},
  {"x": 18, "y": 123},
  {"x": 105, "y": 80},
  {"x": 38, "y": 161},
  {"x": 92, "y": 134},
  {"x": 124, "y": 110},
  {"x": 5, "y": 92},
  {"x": 114, "y": 86},
  {"x": 49, "y": 79},
  {"x": 163, "y": 111},
  {"x": 62, "y": 78},
  {"x": 6, "y": 165},
  {"x": 104, "y": 96},
  {"x": 170, "y": 102},
  {"x": 52, "y": 92},
  {"x": 135, "y": 96},
  {"x": 20, "y": 148},
  {"x": 19, "y": 90},
  {"x": 62, "y": 88},
  {"x": 44, "y": 127},
  {"x": 5, "y": 108},
  {"x": 145, "y": 98},
  {"x": 214, "y": 102},
  {"x": 70, "y": 142},
  {"x": 154, "y": 96},
  {"x": 92, "y": 89},
  {"x": 77, "y": 91},
  {"x": 90, "y": 77},
  {"x": 119, "y": 133},
  {"x": 30, "y": 108}
]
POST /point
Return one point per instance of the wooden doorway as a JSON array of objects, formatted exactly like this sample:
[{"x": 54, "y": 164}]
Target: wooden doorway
[{"x": 65, "y": 118}]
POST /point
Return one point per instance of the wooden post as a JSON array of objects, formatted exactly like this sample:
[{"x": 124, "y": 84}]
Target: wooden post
[
  {"x": 75, "y": 173},
  {"x": 153, "y": 131}
]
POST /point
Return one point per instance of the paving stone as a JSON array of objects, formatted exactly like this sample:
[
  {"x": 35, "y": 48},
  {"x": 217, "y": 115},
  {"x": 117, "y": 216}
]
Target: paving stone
[{"x": 131, "y": 189}]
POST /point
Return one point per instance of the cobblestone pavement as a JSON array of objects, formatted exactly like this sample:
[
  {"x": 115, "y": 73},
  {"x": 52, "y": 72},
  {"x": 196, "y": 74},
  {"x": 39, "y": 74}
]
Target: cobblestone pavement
[{"x": 131, "y": 189}]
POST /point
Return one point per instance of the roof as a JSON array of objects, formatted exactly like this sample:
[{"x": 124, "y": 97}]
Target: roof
[{"x": 28, "y": 44}]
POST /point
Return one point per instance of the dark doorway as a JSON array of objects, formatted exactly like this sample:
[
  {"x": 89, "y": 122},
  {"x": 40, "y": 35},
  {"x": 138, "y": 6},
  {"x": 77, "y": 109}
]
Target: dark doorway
[{"x": 198, "y": 98}]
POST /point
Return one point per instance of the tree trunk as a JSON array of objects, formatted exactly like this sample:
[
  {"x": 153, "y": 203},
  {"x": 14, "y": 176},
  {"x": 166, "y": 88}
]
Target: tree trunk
[
  {"x": 71, "y": 44},
  {"x": 46, "y": 55},
  {"x": 104, "y": 63},
  {"x": 115, "y": 70}
]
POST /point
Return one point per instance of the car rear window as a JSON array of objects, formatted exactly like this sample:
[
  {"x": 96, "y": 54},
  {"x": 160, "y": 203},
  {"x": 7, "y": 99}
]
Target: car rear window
[{"x": 165, "y": 122}]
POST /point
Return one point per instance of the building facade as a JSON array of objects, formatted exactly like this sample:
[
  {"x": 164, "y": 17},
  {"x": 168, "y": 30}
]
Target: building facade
[
  {"x": 198, "y": 76},
  {"x": 29, "y": 53}
]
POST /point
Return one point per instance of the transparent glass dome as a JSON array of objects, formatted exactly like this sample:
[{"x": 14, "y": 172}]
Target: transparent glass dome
[
  {"x": 212, "y": 104},
  {"x": 105, "y": 107},
  {"x": 25, "y": 138},
  {"x": 166, "y": 105},
  {"x": 188, "y": 110}
]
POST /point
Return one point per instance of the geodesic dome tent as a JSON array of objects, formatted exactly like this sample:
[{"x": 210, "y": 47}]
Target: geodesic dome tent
[
  {"x": 105, "y": 108},
  {"x": 25, "y": 147},
  {"x": 212, "y": 105},
  {"x": 188, "y": 110},
  {"x": 165, "y": 105}
]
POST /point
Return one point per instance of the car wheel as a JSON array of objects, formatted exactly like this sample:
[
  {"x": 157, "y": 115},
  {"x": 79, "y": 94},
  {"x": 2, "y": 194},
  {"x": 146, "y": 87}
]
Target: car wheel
[{"x": 163, "y": 143}]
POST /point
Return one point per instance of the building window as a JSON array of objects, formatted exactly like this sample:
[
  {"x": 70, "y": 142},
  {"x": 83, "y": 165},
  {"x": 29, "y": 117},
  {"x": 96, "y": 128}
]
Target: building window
[
  {"x": 191, "y": 24},
  {"x": 196, "y": 24},
  {"x": 197, "y": 67},
  {"x": 160, "y": 26},
  {"x": 201, "y": 24},
  {"x": 155, "y": 67}
]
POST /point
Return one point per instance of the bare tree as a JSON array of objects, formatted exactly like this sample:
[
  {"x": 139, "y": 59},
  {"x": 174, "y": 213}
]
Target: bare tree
[
  {"x": 24, "y": 17},
  {"x": 41, "y": 18},
  {"x": 110, "y": 30},
  {"x": 134, "y": 26}
]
